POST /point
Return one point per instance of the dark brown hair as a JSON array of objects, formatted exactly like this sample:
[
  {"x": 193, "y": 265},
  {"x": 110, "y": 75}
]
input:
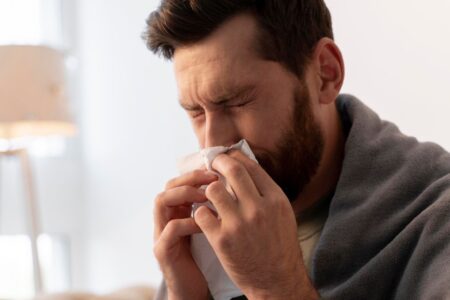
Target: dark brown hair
[{"x": 290, "y": 28}]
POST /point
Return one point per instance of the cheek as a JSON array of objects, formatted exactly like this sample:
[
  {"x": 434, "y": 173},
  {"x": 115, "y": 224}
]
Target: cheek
[
  {"x": 264, "y": 130},
  {"x": 274, "y": 117}
]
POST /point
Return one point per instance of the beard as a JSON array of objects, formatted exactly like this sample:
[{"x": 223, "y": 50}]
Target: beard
[{"x": 298, "y": 153}]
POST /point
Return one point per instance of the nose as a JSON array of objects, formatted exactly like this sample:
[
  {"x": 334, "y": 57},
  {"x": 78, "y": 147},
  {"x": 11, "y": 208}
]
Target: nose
[{"x": 220, "y": 130}]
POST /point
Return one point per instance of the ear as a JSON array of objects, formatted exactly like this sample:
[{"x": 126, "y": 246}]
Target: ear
[{"x": 330, "y": 70}]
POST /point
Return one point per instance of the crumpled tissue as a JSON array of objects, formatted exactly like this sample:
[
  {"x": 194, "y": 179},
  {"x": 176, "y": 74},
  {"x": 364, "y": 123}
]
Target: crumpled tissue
[{"x": 220, "y": 285}]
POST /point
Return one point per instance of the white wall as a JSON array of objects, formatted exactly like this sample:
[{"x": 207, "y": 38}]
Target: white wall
[
  {"x": 133, "y": 130},
  {"x": 397, "y": 62}
]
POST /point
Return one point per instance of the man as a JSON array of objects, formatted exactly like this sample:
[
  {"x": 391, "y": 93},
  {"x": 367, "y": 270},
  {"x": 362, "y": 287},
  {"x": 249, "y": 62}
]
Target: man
[{"x": 341, "y": 204}]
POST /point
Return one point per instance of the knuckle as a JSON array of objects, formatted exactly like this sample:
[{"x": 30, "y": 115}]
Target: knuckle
[
  {"x": 214, "y": 188},
  {"x": 182, "y": 190},
  {"x": 253, "y": 165},
  {"x": 232, "y": 230},
  {"x": 256, "y": 216},
  {"x": 235, "y": 169}
]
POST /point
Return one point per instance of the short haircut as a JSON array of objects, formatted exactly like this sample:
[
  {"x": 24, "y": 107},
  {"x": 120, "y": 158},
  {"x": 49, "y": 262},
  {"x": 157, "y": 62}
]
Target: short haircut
[{"x": 289, "y": 29}]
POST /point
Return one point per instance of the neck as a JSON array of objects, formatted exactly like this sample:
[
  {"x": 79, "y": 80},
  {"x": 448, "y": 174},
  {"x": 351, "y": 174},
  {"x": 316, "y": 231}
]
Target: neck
[{"x": 327, "y": 175}]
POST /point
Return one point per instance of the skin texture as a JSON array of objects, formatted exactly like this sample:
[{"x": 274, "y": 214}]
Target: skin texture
[{"x": 230, "y": 94}]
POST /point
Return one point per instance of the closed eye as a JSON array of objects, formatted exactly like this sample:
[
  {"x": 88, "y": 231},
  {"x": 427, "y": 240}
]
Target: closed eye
[
  {"x": 195, "y": 113},
  {"x": 241, "y": 103}
]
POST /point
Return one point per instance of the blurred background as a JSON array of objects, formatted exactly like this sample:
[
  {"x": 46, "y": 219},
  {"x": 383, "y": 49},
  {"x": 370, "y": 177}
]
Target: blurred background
[{"x": 94, "y": 189}]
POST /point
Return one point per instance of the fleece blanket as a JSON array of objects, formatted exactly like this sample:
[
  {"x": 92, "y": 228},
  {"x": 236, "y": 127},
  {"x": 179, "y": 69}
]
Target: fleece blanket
[{"x": 387, "y": 235}]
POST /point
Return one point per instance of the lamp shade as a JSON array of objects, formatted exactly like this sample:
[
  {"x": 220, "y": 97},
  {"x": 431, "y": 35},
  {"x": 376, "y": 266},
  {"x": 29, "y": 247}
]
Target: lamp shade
[{"x": 33, "y": 101}]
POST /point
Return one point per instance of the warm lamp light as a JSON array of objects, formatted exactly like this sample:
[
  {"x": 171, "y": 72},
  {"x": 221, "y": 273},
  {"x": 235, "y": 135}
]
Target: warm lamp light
[
  {"x": 33, "y": 103},
  {"x": 32, "y": 93}
]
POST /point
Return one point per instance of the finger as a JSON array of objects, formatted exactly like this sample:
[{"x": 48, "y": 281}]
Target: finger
[
  {"x": 221, "y": 199},
  {"x": 237, "y": 177},
  {"x": 263, "y": 182},
  {"x": 175, "y": 203},
  {"x": 161, "y": 219},
  {"x": 175, "y": 230},
  {"x": 195, "y": 178},
  {"x": 182, "y": 195},
  {"x": 207, "y": 222}
]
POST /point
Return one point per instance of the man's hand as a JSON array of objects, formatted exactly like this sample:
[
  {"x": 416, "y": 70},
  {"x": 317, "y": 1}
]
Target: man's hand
[
  {"x": 255, "y": 236},
  {"x": 173, "y": 227}
]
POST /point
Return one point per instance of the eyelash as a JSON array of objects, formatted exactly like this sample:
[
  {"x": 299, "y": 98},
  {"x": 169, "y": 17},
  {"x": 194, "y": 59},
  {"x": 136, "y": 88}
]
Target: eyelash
[
  {"x": 242, "y": 103},
  {"x": 197, "y": 113}
]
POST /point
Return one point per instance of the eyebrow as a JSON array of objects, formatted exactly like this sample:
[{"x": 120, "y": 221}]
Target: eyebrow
[{"x": 226, "y": 97}]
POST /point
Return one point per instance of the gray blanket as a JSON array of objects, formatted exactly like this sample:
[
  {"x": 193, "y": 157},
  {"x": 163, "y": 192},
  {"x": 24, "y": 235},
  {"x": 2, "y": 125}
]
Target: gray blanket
[
  {"x": 387, "y": 235},
  {"x": 388, "y": 231}
]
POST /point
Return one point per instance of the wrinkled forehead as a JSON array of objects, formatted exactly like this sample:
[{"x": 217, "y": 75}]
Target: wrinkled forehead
[
  {"x": 227, "y": 55},
  {"x": 216, "y": 76},
  {"x": 237, "y": 36}
]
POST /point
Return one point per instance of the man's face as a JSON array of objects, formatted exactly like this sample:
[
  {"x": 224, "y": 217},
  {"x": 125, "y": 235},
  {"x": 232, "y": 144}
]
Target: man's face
[{"x": 230, "y": 93}]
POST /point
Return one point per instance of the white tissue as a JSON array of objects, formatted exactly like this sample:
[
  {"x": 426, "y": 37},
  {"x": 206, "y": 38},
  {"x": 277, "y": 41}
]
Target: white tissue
[{"x": 220, "y": 285}]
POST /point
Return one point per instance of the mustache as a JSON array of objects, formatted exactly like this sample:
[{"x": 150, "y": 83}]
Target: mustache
[{"x": 266, "y": 159}]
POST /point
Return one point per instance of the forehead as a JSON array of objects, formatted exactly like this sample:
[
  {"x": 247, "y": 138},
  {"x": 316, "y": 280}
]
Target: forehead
[
  {"x": 236, "y": 37},
  {"x": 223, "y": 59}
]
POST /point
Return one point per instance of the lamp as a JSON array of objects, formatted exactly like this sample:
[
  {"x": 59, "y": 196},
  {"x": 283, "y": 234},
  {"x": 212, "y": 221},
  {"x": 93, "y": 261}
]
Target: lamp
[{"x": 33, "y": 103}]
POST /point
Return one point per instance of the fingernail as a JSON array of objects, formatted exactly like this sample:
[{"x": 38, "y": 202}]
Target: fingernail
[{"x": 211, "y": 174}]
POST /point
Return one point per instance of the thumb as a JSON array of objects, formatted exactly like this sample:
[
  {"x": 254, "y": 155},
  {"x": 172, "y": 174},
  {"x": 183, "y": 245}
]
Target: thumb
[{"x": 207, "y": 221}]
